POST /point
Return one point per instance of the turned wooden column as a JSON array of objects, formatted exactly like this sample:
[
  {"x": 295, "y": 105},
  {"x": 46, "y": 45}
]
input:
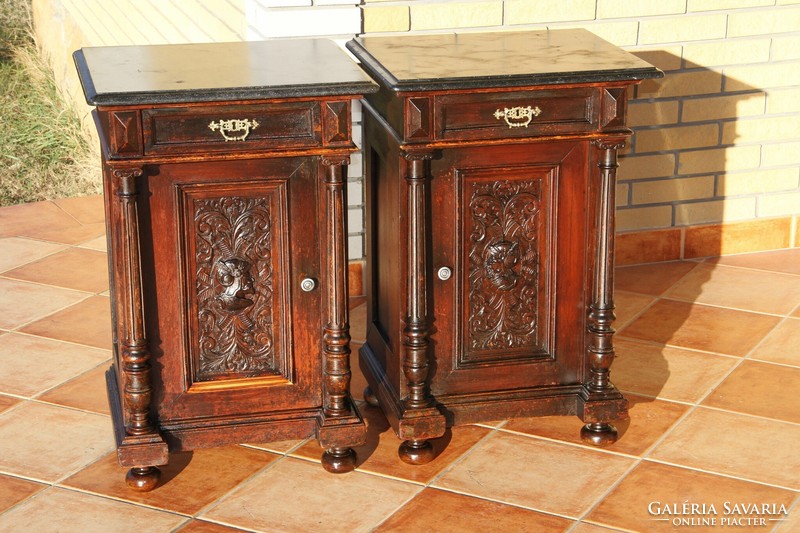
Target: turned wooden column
[
  {"x": 601, "y": 306},
  {"x": 336, "y": 332},
  {"x": 415, "y": 332},
  {"x": 134, "y": 352}
]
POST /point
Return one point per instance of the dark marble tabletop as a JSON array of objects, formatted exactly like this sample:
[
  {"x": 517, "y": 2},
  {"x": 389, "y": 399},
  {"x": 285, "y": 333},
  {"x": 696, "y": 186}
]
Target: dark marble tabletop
[
  {"x": 497, "y": 59},
  {"x": 135, "y": 75}
]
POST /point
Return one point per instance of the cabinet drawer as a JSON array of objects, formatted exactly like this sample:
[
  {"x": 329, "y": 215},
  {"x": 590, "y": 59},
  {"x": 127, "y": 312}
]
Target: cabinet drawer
[
  {"x": 516, "y": 114},
  {"x": 231, "y": 128}
]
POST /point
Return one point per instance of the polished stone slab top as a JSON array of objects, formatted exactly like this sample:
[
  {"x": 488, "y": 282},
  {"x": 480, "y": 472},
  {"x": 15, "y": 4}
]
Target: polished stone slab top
[
  {"x": 498, "y": 59},
  {"x": 179, "y": 73}
]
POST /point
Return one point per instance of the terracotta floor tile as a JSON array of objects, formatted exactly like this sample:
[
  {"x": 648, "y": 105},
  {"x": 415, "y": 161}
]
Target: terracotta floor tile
[
  {"x": 437, "y": 510},
  {"x": 700, "y": 327},
  {"x": 272, "y": 501},
  {"x": 46, "y": 442},
  {"x": 761, "y": 389},
  {"x": 86, "y": 209},
  {"x": 739, "y": 445},
  {"x": 652, "y": 279},
  {"x": 31, "y": 365},
  {"x": 628, "y": 305},
  {"x": 796, "y": 313},
  {"x": 787, "y": 261},
  {"x": 88, "y": 322},
  {"x": 22, "y": 302},
  {"x": 537, "y": 474},
  {"x": 358, "y": 323},
  {"x": 357, "y": 380},
  {"x": 190, "y": 482},
  {"x": 665, "y": 372},
  {"x": 16, "y": 220},
  {"x": 13, "y": 490},
  {"x": 782, "y": 345},
  {"x": 201, "y": 526},
  {"x": 67, "y": 233},
  {"x": 7, "y": 402},
  {"x": 379, "y": 455},
  {"x": 58, "y": 509},
  {"x": 86, "y": 392},
  {"x": 99, "y": 243},
  {"x": 16, "y": 251},
  {"x": 790, "y": 524},
  {"x": 751, "y": 290},
  {"x": 584, "y": 527},
  {"x": 280, "y": 447},
  {"x": 627, "y": 505},
  {"x": 649, "y": 420},
  {"x": 73, "y": 268},
  {"x": 356, "y": 301}
]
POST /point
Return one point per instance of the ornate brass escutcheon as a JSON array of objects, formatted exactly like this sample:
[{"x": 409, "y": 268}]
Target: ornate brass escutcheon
[
  {"x": 235, "y": 129},
  {"x": 517, "y": 117}
]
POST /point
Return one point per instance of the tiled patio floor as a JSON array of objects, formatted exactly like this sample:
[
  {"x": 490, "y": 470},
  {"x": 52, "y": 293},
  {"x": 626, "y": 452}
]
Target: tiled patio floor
[{"x": 709, "y": 352}]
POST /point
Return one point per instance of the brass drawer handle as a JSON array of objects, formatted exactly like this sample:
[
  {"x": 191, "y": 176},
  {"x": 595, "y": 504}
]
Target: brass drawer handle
[
  {"x": 517, "y": 117},
  {"x": 235, "y": 129}
]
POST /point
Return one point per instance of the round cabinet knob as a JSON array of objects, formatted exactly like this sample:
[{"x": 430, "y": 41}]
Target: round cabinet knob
[
  {"x": 444, "y": 273},
  {"x": 308, "y": 284}
]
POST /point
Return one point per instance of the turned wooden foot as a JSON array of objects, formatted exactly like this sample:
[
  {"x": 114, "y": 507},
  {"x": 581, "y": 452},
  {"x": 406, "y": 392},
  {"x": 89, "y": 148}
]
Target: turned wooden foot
[
  {"x": 599, "y": 434},
  {"x": 370, "y": 398},
  {"x": 143, "y": 479},
  {"x": 416, "y": 452},
  {"x": 339, "y": 460}
]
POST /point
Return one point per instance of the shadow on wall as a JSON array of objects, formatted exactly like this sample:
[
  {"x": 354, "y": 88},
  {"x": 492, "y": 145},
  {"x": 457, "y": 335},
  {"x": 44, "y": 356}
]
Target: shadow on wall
[{"x": 674, "y": 172}]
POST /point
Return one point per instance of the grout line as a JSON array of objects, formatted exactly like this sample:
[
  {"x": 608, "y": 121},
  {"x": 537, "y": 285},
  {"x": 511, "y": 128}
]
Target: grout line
[
  {"x": 793, "y": 507},
  {"x": 460, "y": 459},
  {"x": 750, "y": 415},
  {"x": 577, "y": 445},
  {"x": 400, "y": 507},
  {"x": 504, "y": 502},
  {"x": 247, "y": 481},
  {"x": 27, "y": 263},
  {"x": 53, "y": 339},
  {"x": 51, "y": 286},
  {"x": 610, "y": 489},
  {"x": 722, "y": 474},
  {"x": 719, "y": 306}
]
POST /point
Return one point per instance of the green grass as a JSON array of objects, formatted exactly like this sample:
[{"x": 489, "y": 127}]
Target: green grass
[{"x": 44, "y": 153}]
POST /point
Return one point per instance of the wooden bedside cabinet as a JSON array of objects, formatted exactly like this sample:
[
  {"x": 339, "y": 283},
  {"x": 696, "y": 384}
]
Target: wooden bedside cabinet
[
  {"x": 490, "y": 164},
  {"x": 224, "y": 171}
]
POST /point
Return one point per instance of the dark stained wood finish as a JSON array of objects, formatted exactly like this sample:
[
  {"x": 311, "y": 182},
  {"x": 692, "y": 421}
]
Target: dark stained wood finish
[
  {"x": 490, "y": 220},
  {"x": 227, "y": 245}
]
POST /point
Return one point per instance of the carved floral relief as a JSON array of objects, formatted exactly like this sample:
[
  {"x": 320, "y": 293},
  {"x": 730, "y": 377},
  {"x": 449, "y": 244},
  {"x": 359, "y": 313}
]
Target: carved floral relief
[
  {"x": 234, "y": 283},
  {"x": 503, "y": 264}
]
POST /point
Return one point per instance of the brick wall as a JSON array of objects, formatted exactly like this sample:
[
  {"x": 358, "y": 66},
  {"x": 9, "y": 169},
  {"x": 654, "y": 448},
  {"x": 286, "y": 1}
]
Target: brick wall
[
  {"x": 716, "y": 141},
  {"x": 65, "y": 25}
]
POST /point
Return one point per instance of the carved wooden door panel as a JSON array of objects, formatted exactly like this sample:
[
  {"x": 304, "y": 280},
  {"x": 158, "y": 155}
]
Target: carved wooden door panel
[
  {"x": 506, "y": 316},
  {"x": 231, "y": 330}
]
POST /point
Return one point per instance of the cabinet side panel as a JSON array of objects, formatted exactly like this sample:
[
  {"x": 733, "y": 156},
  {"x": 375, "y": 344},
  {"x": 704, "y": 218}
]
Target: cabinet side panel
[{"x": 384, "y": 253}]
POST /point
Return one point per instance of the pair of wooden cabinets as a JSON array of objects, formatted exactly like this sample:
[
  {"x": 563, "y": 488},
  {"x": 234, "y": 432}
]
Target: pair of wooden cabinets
[{"x": 489, "y": 190}]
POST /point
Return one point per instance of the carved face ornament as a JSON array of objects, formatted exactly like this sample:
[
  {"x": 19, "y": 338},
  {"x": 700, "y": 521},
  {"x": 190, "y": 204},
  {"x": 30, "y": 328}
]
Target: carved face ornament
[
  {"x": 501, "y": 260},
  {"x": 234, "y": 275}
]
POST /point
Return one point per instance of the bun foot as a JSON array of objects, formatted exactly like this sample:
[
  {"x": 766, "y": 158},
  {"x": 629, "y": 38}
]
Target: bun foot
[
  {"x": 143, "y": 479},
  {"x": 599, "y": 434},
  {"x": 416, "y": 452},
  {"x": 370, "y": 398},
  {"x": 339, "y": 460}
]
